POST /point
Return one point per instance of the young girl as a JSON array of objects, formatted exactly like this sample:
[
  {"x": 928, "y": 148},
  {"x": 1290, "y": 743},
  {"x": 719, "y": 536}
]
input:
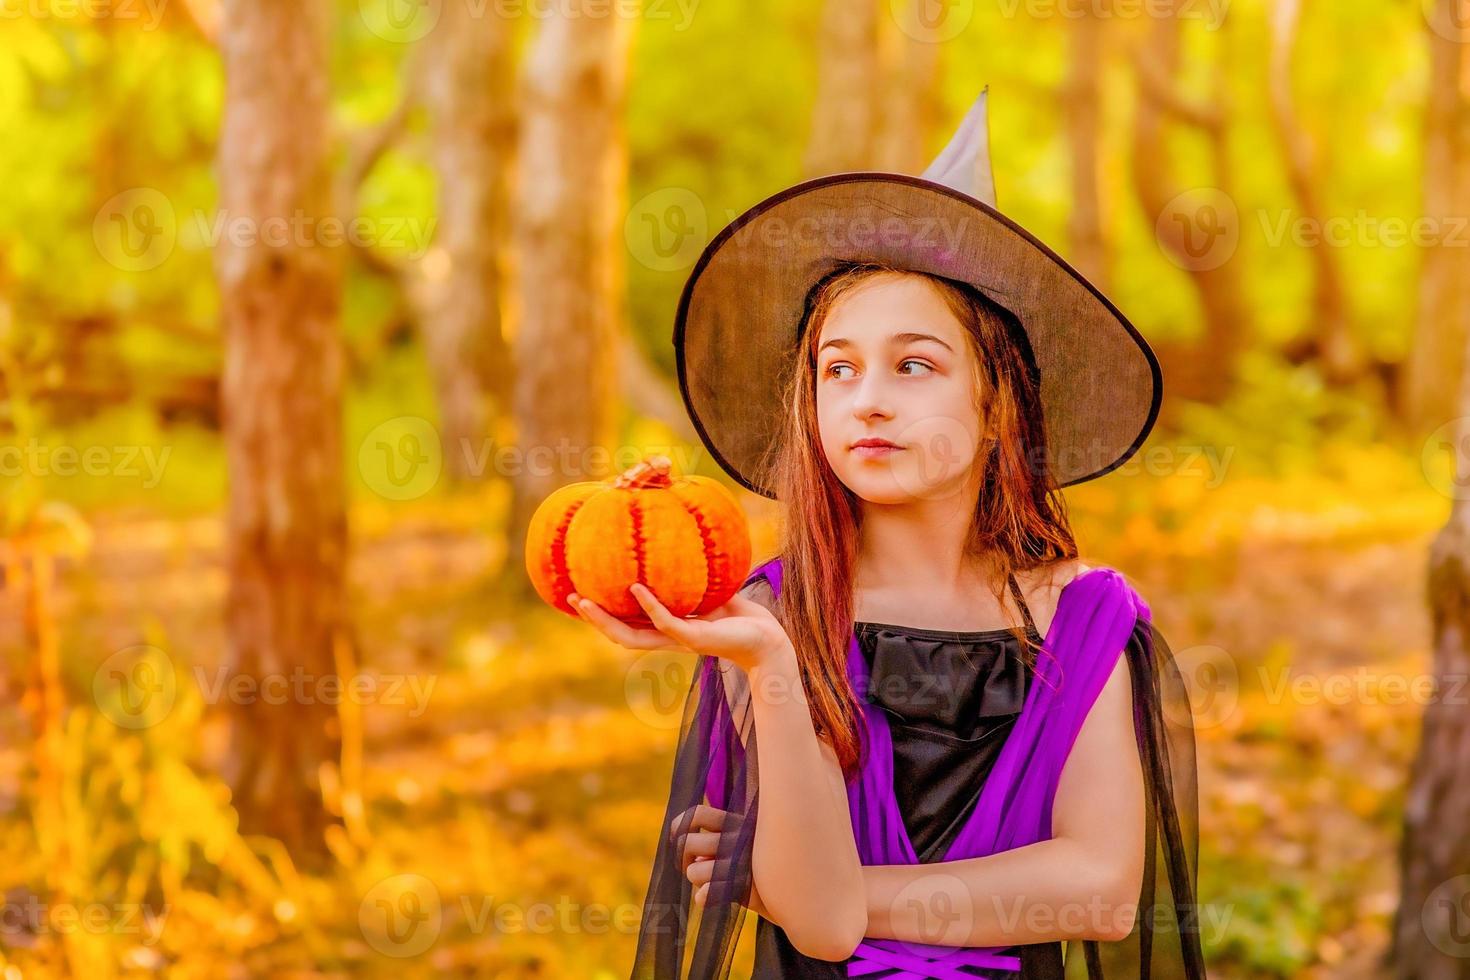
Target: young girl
[{"x": 925, "y": 740}]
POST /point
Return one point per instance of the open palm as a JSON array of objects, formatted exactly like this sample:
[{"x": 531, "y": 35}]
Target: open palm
[{"x": 741, "y": 631}]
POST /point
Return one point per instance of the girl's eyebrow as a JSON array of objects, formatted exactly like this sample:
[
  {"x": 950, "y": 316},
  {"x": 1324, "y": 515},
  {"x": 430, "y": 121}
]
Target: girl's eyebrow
[{"x": 906, "y": 337}]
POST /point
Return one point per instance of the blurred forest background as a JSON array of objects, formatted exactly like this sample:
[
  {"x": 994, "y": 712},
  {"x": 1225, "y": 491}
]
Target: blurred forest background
[{"x": 304, "y": 304}]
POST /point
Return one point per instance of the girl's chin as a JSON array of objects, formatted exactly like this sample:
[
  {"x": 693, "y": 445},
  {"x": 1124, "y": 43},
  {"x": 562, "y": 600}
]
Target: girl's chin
[
  {"x": 874, "y": 488},
  {"x": 895, "y": 488}
]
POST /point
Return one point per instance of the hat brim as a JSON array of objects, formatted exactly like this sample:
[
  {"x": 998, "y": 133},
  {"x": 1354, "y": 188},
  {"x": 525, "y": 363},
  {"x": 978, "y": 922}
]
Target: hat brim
[{"x": 735, "y": 332}]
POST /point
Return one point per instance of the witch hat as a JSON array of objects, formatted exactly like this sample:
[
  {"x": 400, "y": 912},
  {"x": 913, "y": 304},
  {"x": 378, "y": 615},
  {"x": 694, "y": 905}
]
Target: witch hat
[{"x": 736, "y": 334}]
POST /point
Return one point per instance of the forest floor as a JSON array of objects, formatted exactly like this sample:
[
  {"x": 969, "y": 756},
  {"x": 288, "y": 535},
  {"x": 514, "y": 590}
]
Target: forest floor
[{"x": 511, "y": 804}]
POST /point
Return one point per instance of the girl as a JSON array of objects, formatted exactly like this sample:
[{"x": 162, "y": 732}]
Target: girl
[{"x": 956, "y": 732}]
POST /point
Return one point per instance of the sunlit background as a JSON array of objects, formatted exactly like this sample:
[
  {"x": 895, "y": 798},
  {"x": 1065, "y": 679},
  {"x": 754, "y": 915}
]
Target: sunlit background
[{"x": 305, "y": 305}]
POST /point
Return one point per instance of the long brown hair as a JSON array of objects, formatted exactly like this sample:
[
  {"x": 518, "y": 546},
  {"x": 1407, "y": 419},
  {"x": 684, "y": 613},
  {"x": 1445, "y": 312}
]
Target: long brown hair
[{"x": 1020, "y": 515}]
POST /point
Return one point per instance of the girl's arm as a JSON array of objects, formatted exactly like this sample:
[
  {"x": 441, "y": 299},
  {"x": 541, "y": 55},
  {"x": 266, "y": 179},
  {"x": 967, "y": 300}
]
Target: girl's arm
[
  {"x": 805, "y": 861},
  {"x": 1084, "y": 883}
]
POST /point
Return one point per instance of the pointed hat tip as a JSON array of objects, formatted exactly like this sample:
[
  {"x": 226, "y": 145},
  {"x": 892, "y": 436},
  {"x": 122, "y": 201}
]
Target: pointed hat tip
[{"x": 964, "y": 164}]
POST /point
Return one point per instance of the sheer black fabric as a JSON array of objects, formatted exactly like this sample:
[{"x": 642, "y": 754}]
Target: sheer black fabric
[
  {"x": 1165, "y": 942},
  {"x": 944, "y": 744}
]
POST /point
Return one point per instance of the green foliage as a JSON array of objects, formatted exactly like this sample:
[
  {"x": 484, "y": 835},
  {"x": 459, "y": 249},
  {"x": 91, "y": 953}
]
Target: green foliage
[{"x": 530, "y": 778}]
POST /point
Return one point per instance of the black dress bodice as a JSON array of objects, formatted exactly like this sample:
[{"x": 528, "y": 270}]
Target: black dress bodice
[{"x": 952, "y": 699}]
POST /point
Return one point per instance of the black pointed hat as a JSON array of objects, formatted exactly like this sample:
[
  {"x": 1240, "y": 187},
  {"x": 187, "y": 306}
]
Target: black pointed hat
[{"x": 737, "y": 330}]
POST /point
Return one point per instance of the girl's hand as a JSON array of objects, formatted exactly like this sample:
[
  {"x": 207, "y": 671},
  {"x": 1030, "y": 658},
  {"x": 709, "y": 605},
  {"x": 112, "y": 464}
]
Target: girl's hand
[
  {"x": 741, "y": 631},
  {"x": 699, "y": 844}
]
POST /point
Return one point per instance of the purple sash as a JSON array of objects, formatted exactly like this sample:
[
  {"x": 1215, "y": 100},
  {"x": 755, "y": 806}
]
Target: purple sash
[{"x": 1095, "y": 616}]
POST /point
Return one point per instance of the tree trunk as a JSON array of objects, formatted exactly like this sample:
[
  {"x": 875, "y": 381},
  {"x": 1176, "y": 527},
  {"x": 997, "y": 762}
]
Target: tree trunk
[
  {"x": 469, "y": 87},
  {"x": 1204, "y": 370},
  {"x": 845, "y": 118},
  {"x": 909, "y": 108},
  {"x": 1436, "y": 358},
  {"x": 1328, "y": 339},
  {"x": 570, "y": 277},
  {"x": 281, "y": 392},
  {"x": 1083, "y": 103},
  {"x": 1431, "y": 938}
]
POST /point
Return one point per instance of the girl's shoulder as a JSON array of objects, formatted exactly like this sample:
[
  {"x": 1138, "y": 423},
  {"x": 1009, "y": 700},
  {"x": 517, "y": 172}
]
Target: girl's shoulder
[{"x": 1042, "y": 586}]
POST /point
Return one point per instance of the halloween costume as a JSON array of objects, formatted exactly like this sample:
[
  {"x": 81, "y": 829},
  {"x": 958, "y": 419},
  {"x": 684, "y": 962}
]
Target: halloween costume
[
  {"x": 1004, "y": 802},
  {"x": 974, "y": 772}
]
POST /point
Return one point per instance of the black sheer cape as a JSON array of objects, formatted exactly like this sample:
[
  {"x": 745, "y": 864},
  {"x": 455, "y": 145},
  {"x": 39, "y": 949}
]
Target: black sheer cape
[{"x": 715, "y": 764}]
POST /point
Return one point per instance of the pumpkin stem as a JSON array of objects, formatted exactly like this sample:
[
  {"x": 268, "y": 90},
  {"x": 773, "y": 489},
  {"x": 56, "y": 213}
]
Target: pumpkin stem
[{"x": 653, "y": 472}]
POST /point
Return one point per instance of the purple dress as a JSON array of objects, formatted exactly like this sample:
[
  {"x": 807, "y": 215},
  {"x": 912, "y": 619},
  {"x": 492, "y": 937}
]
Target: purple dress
[
  {"x": 956, "y": 773},
  {"x": 952, "y": 697}
]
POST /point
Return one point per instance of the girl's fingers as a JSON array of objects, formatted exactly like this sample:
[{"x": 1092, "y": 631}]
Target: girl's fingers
[
  {"x": 681, "y": 630},
  {"x": 700, "y": 844},
  {"x": 615, "y": 629},
  {"x": 699, "y": 895},
  {"x": 700, "y": 872},
  {"x": 701, "y": 816}
]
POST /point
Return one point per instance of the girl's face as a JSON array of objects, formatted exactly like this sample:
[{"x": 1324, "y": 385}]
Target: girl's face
[{"x": 893, "y": 363}]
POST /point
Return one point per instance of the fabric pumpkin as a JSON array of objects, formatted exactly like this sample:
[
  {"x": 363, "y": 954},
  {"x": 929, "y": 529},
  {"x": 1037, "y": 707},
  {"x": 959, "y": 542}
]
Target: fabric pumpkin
[{"x": 685, "y": 538}]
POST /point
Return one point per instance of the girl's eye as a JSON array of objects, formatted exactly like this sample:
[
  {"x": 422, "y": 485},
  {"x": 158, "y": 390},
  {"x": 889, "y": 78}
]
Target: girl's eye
[{"x": 837, "y": 367}]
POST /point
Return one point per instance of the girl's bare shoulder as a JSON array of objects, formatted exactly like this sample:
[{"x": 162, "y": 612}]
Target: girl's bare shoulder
[{"x": 1042, "y": 586}]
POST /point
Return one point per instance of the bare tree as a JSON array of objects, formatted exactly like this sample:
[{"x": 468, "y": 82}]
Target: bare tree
[
  {"x": 1328, "y": 340},
  {"x": 845, "y": 118},
  {"x": 469, "y": 86},
  {"x": 908, "y": 106},
  {"x": 568, "y": 230},
  {"x": 286, "y": 539},
  {"x": 1429, "y": 938},
  {"x": 1435, "y": 362},
  {"x": 459, "y": 296},
  {"x": 1203, "y": 370},
  {"x": 1083, "y": 109}
]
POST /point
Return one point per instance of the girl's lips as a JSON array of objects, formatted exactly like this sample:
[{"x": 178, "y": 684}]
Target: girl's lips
[{"x": 874, "y": 452}]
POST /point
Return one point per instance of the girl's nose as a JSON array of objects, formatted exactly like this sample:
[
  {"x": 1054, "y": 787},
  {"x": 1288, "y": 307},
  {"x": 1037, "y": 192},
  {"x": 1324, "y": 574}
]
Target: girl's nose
[{"x": 872, "y": 399}]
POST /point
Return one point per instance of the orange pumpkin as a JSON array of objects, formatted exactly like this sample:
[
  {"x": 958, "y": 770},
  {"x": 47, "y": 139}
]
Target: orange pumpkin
[{"x": 685, "y": 538}]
